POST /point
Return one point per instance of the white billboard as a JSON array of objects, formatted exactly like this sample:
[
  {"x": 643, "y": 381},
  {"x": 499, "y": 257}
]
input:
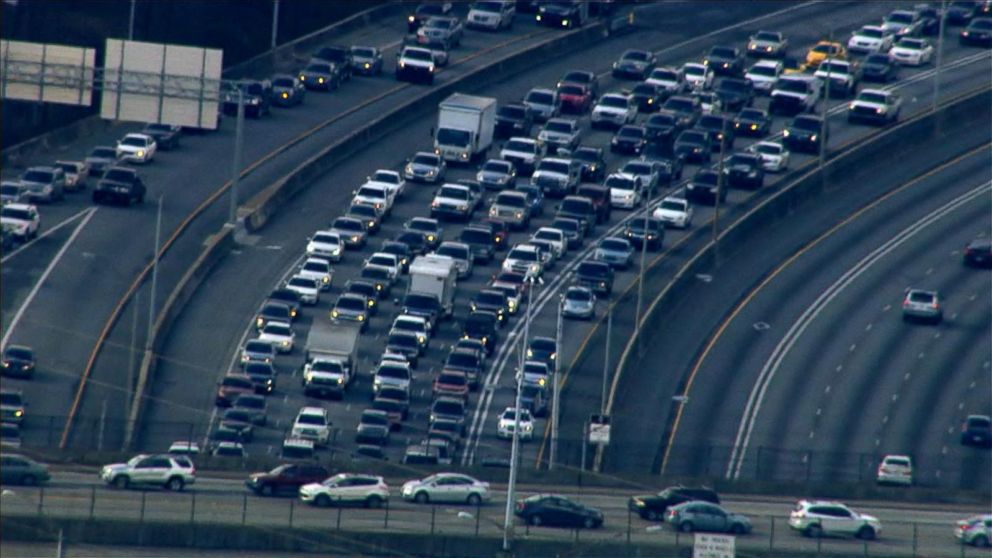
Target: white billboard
[
  {"x": 708, "y": 545},
  {"x": 153, "y": 82},
  {"x": 46, "y": 73}
]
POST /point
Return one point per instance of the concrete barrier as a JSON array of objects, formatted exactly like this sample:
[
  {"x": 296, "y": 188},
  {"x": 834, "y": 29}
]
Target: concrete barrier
[
  {"x": 215, "y": 248},
  {"x": 283, "y": 58},
  {"x": 803, "y": 186}
]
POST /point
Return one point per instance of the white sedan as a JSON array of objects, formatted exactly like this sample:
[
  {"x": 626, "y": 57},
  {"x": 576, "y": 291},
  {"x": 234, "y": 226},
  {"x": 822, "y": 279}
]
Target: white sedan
[
  {"x": 22, "y": 219},
  {"x": 280, "y": 335},
  {"x": 325, "y": 244},
  {"x": 307, "y": 287},
  {"x": 698, "y": 76},
  {"x": 508, "y": 420},
  {"x": 675, "y": 212},
  {"x": 318, "y": 270},
  {"x": 447, "y": 487},
  {"x": 910, "y": 51},
  {"x": 387, "y": 260},
  {"x": 774, "y": 155},
  {"x": 137, "y": 148},
  {"x": 376, "y": 195},
  {"x": 390, "y": 179}
]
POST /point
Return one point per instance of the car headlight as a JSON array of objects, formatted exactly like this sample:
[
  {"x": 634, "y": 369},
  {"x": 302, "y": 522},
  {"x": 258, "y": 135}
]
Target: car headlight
[
  {"x": 411, "y": 19},
  {"x": 367, "y": 65},
  {"x": 325, "y": 279},
  {"x": 361, "y": 317},
  {"x": 320, "y": 80},
  {"x": 140, "y": 153},
  {"x": 19, "y": 413},
  {"x": 284, "y": 95},
  {"x": 285, "y": 343},
  {"x": 334, "y": 313},
  {"x": 259, "y": 322},
  {"x": 303, "y": 77},
  {"x": 564, "y": 23}
]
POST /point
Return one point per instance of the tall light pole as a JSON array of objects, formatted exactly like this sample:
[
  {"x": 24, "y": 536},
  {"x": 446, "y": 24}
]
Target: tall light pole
[
  {"x": 606, "y": 359},
  {"x": 232, "y": 217},
  {"x": 556, "y": 389},
  {"x": 130, "y": 21},
  {"x": 275, "y": 23},
  {"x": 825, "y": 108},
  {"x": 511, "y": 486},
  {"x": 640, "y": 279},
  {"x": 151, "y": 303},
  {"x": 720, "y": 185},
  {"x": 940, "y": 53}
]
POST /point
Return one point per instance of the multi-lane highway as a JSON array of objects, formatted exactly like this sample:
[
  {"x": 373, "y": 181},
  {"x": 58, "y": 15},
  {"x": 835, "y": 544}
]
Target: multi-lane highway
[
  {"x": 63, "y": 299},
  {"x": 223, "y": 501}
]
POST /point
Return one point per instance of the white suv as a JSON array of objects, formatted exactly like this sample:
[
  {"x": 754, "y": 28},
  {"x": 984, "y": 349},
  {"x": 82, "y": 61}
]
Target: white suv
[
  {"x": 347, "y": 488},
  {"x": 312, "y": 423},
  {"x": 23, "y": 220},
  {"x": 817, "y": 518},
  {"x": 172, "y": 472}
]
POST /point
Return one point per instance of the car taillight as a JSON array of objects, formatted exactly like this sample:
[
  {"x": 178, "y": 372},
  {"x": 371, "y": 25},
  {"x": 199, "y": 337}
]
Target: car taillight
[
  {"x": 520, "y": 506},
  {"x": 672, "y": 513}
]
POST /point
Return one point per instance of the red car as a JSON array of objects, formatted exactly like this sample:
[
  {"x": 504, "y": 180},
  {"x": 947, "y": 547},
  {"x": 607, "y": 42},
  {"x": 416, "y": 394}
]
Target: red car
[
  {"x": 452, "y": 383},
  {"x": 575, "y": 98},
  {"x": 285, "y": 479}
]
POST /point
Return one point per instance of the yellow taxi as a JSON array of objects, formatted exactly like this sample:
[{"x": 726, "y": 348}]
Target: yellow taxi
[{"x": 823, "y": 50}]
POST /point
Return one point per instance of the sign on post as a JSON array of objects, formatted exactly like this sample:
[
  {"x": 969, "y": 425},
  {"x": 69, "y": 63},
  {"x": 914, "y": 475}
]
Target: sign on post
[
  {"x": 46, "y": 73},
  {"x": 599, "y": 429},
  {"x": 168, "y": 84},
  {"x": 708, "y": 545}
]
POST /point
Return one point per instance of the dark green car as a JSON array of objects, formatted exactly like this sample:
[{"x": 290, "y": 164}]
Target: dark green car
[{"x": 18, "y": 469}]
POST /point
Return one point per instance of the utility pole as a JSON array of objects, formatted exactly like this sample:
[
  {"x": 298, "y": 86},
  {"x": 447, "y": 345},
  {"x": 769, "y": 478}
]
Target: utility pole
[
  {"x": 232, "y": 217},
  {"x": 640, "y": 281},
  {"x": 132, "y": 362},
  {"x": 606, "y": 359},
  {"x": 719, "y": 191},
  {"x": 130, "y": 21},
  {"x": 825, "y": 108},
  {"x": 275, "y": 23},
  {"x": 154, "y": 288},
  {"x": 940, "y": 54},
  {"x": 511, "y": 486},
  {"x": 556, "y": 389}
]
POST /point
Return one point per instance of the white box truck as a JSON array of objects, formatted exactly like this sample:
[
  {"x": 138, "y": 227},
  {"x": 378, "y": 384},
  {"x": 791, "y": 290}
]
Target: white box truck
[
  {"x": 331, "y": 357},
  {"x": 436, "y": 277},
  {"x": 465, "y": 126}
]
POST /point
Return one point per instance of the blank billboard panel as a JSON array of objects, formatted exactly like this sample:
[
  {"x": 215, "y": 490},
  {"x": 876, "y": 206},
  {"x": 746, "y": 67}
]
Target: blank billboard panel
[
  {"x": 170, "y": 84},
  {"x": 46, "y": 73}
]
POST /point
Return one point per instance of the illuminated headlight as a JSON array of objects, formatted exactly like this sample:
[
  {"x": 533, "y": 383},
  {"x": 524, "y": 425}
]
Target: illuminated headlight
[
  {"x": 259, "y": 322},
  {"x": 334, "y": 313},
  {"x": 411, "y": 19},
  {"x": 464, "y": 155},
  {"x": 367, "y": 65},
  {"x": 530, "y": 353},
  {"x": 361, "y": 317},
  {"x": 430, "y": 238},
  {"x": 785, "y": 133},
  {"x": 493, "y": 212},
  {"x": 285, "y": 343},
  {"x": 564, "y": 23},
  {"x": 253, "y": 101},
  {"x": 554, "y": 356},
  {"x": 402, "y": 65},
  {"x": 754, "y": 126},
  {"x": 320, "y": 80},
  {"x": 519, "y": 215},
  {"x": 639, "y": 503},
  {"x": 431, "y": 172},
  {"x": 19, "y": 413},
  {"x": 378, "y": 286},
  {"x": 880, "y": 110},
  {"x": 538, "y": 17},
  {"x": 542, "y": 381},
  {"x": 485, "y": 340},
  {"x": 354, "y": 238},
  {"x": 292, "y": 312},
  {"x": 340, "y": 381},
  {"x": 435, "y": 204},
  {"x": 421, "y": 339},
  {"x": 430, "y": 68},
  {"x": 303, "y": 77},
  {"x": 527, "y": 427},
  {"x": 285, "y": 95},
  {"x": 140, "y": 153},
  {"x": 812, "y": 138},
  {"x": 325, "y": 279}
]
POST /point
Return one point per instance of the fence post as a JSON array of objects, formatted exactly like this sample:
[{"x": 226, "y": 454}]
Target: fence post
[
  {"x": 385, "y": 522},
  {"x": 92, "y": 501},
  {"x": 478, "y": 517},
  {"x": 337, "y": 524},
  {"x": 433, "y": 511},
  {"x": 292, "y": 508},
  {"x": 244, "y": 508},
  {"x": 628, "y": 525},
  {"x": 41, "y": 499},
  {"x": 141, "y": 517},
  {"x": 192, "y": 508}
]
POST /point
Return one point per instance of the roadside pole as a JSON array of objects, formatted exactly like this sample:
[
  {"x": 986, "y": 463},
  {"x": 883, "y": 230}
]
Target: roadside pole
[
  {"x": 556, "y": 390},
  {"x": 940, "y": 54},
  {"x": 232, "y": 217}
]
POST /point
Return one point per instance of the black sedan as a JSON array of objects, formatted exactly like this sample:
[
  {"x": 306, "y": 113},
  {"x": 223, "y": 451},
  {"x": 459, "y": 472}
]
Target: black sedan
[
  {"x": 592, "y": 162},
  {"x": 18, "y": 361},
  {"x": 647, "y": 96},
  {"x": 694, "y": 146},
  {"x": 662, "y": 127},
  {"x": 804, "y": 134},
  {"x": 557, "y": 511},
  {"x": 725, "y": 60},
  {"x": 630, "y": 139},
  {"x": 879, "y": 67},
  {"x": 735, "y": 94},
  {"x": 752, "y": 122},
  {"x": 715, "y": 127}
]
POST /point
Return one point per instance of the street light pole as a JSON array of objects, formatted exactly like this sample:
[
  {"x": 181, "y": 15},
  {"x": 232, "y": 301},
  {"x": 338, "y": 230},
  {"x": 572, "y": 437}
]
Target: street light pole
[
  {"x": 719, "y": 191},
  {"x": 232, "y": 217},
  {"x": 940, "y": 53},
  {"x": 151, "y": 303},
  {"x": 825, "y": 108},
  {"x": 275, "y": 23},
  {"x": 606, "y": 359},
  {"x": 130, "y": 21},
  {"x": 556, "y": 389},
  {"x": 640, "y": 281},
  {"x": 511, "y": 486}
]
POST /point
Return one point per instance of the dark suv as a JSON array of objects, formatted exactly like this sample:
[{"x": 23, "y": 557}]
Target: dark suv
[
  {"x": 482, "y": 326},
  {"x": 481, "y": 240},
  {"x": 744, "y": 170},
  {"x": 285, "y": 479},
  {"x": 977, "y": 431},
  {"x": 580, "y": 208},
  {"x": 256, "y": 96},
  {"x": 651, "y": 230},
  {"x": 600, "y": 198},
  {"x": 119, "y": 185},
  {"x": 653, "y": 506},
  {"x": 598, "y": 276}
]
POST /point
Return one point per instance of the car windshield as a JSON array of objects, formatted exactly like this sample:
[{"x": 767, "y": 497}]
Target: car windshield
[
  {"x": 553, "y": 236},
  {"x": 661, "y": 120},
  {"x": 315, "y": 266},
  {"x": 872, "y": 97},
  {"x": 673, "y": 205},
  {"x": 277, "y": 329},
  {"x": 440, "y": 23},
  {"x": 103, "y": 153},
  {"x": 520, "y": 146},
  {"x": 363, "y": 52},
  {"x": 422, "y": 225},
  {"x": 835, "y": 67},
  {"x": 319, "y": 68},
  {"x": 568, "y": 89},
  {"x": 501, "y": 167},
  {"x": 679, "y": 104},
  {"x": 372, "y": 192},
  {"x": 766, "y": 36},
  {"x": 733, "y": 85},
  {"x": 403, "y": 340},
  {"x": 236, "y": 382},
  {"x": 350, "y": 225},
  {"x": 510, "y": 414},
  {"x": 911, "y": 44},
  {"x": 707, "y": 178},
  {"x": 639, "y": 225},
  {"x": 19, "y": 353},
  {"x": 636, "y": 55},
  {"x": 386, "y": 176},
  {"x": 448, "y": 407},
  {"x": 917, "y": 296},
  {"x": 487, "y": 6},
  {"x": 559, "y": 126},
  {"x": 310, "y": 419},
  {"x": 454, "y": 252},
  {"x": 620, "y": 182},
  {"x": 418, "y": 54},
  {"x": 512, "y": 111},
  {"x": 614, "y": 245},
  {"x": 882, "y": 59},
  {"x": 768, "y": 149},
  {"x": 900, "y": 17},
  {"x": 645, "y": 89},
  {"x": 454, "y": 192},
  {"x": 586, "y": 155},
  {"x": 596, "y": 269},
  {"x": 485, "y": 297},
  {"x": 692, "y": 137},
  {"x": 16, "y": 213},
  {"x": 452, "y": 379},
  {"x": 631, "y": 132},
  {"x": 824, "y": 48},
  {"x": 523, "y": 255},
  {"x": 383, "y": 260},
  {"x": 664, "y": 74},
  {"x": 807, "y": 124},
  {"x": 614, "y": 101},
  {"x": 540, "y": 97},
  {"x": 766, "y": 71},
  {"x": 871, "y": 32},
  {"x": 449, "y": 136},
  {"x": 258, "y": 347},
  {"x": 284, "y": 83},
  {"x": 427, "y": 159},
  {"x": 722, "y": 52},
  {"x": 398, "y": 372},
  {"x": 510, "y": 200},
  {"x": 575, "y": 206},
  {"x": 695, "y": 70},
  {"x": 362, "y": 210},
  {"x": 710, "y": 122},
  {"x": 376, "y": 419},
  {"x": 476, "y": 236},
  {"x": 793, "y": 85},
  {"x": 37, "y": 176},
  {"x": 557, "y": 167},
  {"x": 132, "y": 141},
  {"x": 751, "y": 114}
]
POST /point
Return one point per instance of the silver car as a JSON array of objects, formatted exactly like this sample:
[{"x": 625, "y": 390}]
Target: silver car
[
  {"x": 579, "y": 302},
  {"x": 447, "y": 487},
  {"x": 425, "y": 167},
  {"x": 615, "y": 251},
  {"x": 922, "y": 305},
  {"x": 704, "y": 516}
]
